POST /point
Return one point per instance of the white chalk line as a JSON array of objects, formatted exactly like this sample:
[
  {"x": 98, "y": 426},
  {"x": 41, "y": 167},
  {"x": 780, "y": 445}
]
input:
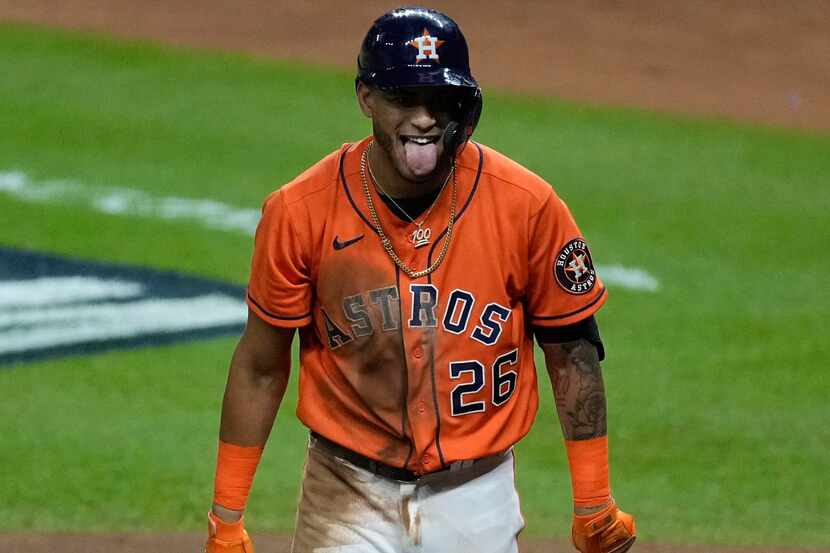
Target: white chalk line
[
  {"x": 209, "y": 213},
  {"x": 129, "y": 201},
  {"x": 628, "y": 277}
]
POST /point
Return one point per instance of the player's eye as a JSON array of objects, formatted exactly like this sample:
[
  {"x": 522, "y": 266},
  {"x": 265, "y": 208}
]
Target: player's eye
[
  {"x": 406, "y": 100},
  {"x": 445, "y": 104}
]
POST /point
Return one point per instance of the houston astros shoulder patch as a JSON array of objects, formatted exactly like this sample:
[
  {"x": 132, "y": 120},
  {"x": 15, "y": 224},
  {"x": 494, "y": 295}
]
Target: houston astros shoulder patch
[{"x": 574, "y": 269}]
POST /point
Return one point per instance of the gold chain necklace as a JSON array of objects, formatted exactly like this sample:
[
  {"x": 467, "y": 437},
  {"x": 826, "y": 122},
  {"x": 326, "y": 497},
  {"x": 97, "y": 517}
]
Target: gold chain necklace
[
  {"x": 387, "y": 244},
  {"x": 420, "y": 236}
]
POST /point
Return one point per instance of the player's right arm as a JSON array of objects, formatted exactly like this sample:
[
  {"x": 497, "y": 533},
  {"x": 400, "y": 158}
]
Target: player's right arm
[
  {"x": 279, "y": 300},
  {"x": 257, "y": 379}
]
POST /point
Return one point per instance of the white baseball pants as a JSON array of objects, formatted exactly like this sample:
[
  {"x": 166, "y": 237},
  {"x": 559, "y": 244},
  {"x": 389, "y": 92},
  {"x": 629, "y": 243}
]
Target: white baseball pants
[{"x": 346, "y": 509}]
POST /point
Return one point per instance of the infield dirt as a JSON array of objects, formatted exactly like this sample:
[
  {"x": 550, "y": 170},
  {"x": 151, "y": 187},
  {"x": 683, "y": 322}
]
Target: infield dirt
[
  {"x": 758, "y": 61},
  {"x": 766, "y": 62}
]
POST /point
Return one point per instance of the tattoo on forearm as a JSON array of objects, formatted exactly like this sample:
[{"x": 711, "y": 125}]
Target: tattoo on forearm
[{"x": 578, "y": 389}]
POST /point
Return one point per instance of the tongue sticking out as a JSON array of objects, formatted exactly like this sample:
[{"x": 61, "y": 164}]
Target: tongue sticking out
[{"x": 421, "y": 158}]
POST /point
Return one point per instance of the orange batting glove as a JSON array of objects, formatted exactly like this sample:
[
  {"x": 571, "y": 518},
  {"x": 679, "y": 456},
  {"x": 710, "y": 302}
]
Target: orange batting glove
[
  {"x": 227, "y": 538},
  {"x": 607, "y": 531}
]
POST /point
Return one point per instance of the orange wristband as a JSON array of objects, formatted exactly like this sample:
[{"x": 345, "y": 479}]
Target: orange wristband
[
  {"x": 235, "y": 468},
  {"x": 588, "y": 460}
]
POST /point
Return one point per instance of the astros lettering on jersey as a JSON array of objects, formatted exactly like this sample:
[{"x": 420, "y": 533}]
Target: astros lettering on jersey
[{"x": 420, "y": 373}]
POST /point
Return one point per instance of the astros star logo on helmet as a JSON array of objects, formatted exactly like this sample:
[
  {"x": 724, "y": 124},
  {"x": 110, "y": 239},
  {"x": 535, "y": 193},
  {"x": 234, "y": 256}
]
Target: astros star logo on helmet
[{"x": 427, "y": 47}]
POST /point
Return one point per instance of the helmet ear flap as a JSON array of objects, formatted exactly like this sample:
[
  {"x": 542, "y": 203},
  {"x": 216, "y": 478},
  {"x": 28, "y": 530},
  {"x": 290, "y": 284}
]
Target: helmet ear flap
[
  {"x": 473, "y": 111},
  {"x": 459, "y": 132}
]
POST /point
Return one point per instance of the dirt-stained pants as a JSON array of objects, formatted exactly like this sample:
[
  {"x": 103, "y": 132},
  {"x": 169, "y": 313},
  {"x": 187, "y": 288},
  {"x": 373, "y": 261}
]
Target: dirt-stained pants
[{"x": 346, "y": 509}]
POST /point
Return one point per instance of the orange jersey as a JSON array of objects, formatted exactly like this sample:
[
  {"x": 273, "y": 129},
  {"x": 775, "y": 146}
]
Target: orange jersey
[{"x": 420, "y": 373}]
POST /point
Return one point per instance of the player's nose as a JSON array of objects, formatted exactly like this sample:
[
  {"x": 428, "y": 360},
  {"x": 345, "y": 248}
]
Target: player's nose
[{"x": 422, "y": 118}]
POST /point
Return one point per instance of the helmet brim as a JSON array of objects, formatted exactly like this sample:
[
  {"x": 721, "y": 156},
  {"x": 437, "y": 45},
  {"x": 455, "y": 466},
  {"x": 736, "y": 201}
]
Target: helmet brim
[{"x": 415, "y": 75}]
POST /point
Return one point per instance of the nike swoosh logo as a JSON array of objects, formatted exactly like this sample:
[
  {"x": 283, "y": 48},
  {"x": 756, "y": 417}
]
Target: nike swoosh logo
[{"x": 338, "y": 245}]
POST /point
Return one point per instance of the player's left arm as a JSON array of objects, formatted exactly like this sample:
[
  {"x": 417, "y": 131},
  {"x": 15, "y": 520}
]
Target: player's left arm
[
  {"x": 578, "y": 388},
  {"x": 579, "y": 392}
]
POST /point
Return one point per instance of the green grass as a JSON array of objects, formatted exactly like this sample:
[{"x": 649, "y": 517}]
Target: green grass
[
  {"x": 126, "y": 441},
  {"x": 717, "y": 383}
]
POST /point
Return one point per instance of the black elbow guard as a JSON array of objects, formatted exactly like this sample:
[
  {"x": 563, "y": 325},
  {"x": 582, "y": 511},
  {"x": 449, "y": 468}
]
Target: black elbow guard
[{"x": 586, "y": 329}]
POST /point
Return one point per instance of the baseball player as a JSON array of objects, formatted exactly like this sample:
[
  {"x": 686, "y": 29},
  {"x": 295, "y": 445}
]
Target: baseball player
[{"x": 418, "y": 266}]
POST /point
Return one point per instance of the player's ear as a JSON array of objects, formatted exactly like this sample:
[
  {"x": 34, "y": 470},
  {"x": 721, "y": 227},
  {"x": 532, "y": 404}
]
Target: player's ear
[{"x": 365, "y": 98}]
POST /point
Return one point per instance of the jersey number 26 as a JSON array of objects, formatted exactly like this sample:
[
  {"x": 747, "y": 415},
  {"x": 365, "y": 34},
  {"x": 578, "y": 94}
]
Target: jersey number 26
[{"x": 503, "y": 383}]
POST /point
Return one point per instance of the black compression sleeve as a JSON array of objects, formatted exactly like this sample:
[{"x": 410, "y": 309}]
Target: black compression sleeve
[{"x": 586, "y": 328}]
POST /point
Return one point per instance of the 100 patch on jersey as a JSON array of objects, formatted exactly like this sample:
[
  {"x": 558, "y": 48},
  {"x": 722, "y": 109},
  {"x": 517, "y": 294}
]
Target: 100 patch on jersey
[{"x": 574, "y": 269}]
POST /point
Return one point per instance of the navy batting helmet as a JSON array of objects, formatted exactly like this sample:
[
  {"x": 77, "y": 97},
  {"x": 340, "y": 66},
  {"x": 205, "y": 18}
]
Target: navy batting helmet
[{"x": 411, "y": 47}]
